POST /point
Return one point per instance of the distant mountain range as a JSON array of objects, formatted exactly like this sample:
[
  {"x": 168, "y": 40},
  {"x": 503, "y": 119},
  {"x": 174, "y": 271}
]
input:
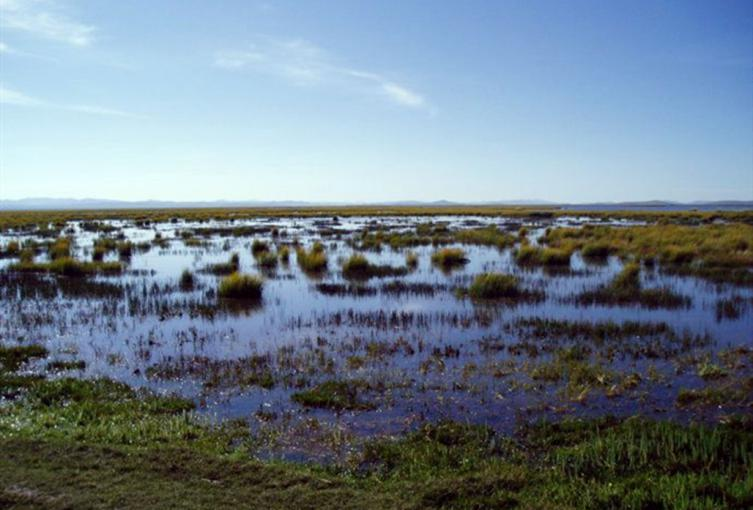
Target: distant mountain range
[{"x": 95, "y": 203}]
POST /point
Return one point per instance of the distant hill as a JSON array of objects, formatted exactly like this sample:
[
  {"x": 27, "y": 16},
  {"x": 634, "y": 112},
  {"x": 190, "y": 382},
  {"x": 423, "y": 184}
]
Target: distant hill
[{"x": 44, "y": 203}]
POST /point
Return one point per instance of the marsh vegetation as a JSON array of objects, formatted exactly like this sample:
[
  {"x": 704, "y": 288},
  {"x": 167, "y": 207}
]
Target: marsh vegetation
[{"x": 456, "y": 361}]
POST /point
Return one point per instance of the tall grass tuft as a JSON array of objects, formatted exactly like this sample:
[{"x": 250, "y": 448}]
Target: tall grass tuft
[
  {"x": 240, "y": 286},
  {"x": 314, "y": 260},
  {"x": 448, "y": 258},
  {"x": 494, "y": 286}
]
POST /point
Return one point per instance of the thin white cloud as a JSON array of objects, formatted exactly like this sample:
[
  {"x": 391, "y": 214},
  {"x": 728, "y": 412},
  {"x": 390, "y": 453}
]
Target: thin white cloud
[
  {"x": 43, "y": 18},
  {"x": 402, "y": 95},
  {"x": 13, "y": 97},
  {"x": 9, "y": 96},
  {"x": 4, "y": 48},
  {"x": 304, "y": 63}
]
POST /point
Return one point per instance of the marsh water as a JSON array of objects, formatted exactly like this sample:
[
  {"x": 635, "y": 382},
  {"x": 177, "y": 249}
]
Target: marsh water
[{"x": 415, "y": 349}]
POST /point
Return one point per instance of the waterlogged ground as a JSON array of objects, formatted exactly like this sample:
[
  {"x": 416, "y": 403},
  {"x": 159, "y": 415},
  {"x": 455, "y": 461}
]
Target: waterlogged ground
[{"x": 396, "y": 351}]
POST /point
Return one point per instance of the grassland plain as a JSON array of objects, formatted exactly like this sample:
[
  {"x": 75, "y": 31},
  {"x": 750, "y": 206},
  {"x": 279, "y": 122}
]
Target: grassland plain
[
  {"x": 610, "y": 366},
  {"x": 25, "y": 219}
]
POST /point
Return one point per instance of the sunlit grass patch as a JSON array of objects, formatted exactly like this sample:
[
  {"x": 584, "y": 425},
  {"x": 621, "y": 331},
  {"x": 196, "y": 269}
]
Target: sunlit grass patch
[
  {"x": 529, "y": 255},
  {"x": 486, "y": 236},
  {"x": 314, "y": 260},
  {"x": 240, "y": 286},
  {"x": 494, "y": 286},
  {"x": 357, "y": 266}
]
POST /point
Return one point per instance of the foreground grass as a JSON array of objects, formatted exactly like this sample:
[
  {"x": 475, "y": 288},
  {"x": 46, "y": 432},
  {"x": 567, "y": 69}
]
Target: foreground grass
[{"x": 70, "y": 443}]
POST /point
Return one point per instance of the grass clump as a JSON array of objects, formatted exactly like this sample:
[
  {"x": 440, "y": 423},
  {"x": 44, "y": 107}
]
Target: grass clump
[
  {"x": 258, "y": 247},
  {"x": 335, "y": 395},
  {"x": 12, "y": 357},
  {"x": 284, "y": 254},
  {"x": 494, "y": 286},
  {"x": 266, "y": 260},
  {"x": 448, "y": 258},
  {"x": 411, "y": 260},
  {"x": 717, "y": 252},
  {"x": 240, "y": 286},
  {"x": 225, "y": 268},
  {"x": 358, "y": 266},
  {"x": 60, "y": 248},
  {"x": 735, "y": 394},
  {"x": 486, "y": 236},
  {"x": 529, "y": 255},
  {"x": 314, "y": 260},
  {"x": 186, "y": 282}
]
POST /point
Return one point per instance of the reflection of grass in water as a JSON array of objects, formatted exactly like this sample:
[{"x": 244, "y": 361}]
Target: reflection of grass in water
[
  {"x": 224, "y": 268},
  {"x": 626, "y": 288},
  {"x": 68, "y": 266}
]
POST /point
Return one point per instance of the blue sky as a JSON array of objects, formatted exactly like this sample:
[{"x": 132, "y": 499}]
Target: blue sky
[{"x": 358, "y": 101}]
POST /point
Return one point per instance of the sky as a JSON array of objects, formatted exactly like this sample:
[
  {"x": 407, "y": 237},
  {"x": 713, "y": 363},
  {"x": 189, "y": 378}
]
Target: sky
[{"x": 366, "y": 101}]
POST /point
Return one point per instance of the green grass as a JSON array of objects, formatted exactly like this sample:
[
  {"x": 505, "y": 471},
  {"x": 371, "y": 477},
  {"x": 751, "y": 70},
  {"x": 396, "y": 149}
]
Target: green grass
[
  {"x": 494, "y": 286},
  {"x": 240, "y": 286},
  {"x": 32, "y": 219},
  {"x": 335, "y": 395},
  {"x": 99, "y": 444}
]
